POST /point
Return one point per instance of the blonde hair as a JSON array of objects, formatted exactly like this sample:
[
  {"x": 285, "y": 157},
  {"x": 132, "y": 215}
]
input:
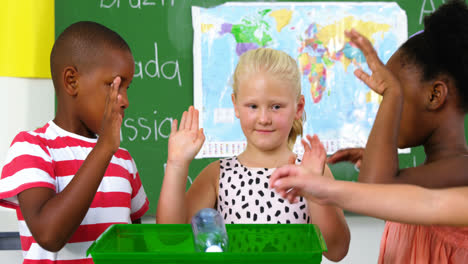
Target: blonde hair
[{"x": 277, "y": 63}]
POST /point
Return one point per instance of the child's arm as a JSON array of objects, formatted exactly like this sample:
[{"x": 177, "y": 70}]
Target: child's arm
[
  {"x": 397, "y": 202},
  {"x": 332, "y": 224},
  {"x": 54, "y": 217},
  {"x": 380, "y": 160},
  {"x": 330, "y": 219},
  {"x": 175, "y": 206}
]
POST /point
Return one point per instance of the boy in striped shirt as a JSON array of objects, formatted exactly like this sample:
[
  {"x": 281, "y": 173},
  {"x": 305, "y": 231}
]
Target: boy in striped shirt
[{"x": 70, "y": 180}]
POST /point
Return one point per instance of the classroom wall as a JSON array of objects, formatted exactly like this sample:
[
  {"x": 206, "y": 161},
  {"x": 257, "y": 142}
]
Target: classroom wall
[{"x": 25, "y": 104}]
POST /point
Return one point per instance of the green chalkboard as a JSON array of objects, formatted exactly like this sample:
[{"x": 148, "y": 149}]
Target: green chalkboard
[{"x": 160, "y": 35}]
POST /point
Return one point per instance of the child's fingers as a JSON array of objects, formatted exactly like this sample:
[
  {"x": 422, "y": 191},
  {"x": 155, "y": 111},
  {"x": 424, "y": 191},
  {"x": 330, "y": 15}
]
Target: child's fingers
[
  {"x": 117, "y": 109},
  {"x": 292, "y": 159},
  {"x": 292, "y": 195},
  {"x": 286, "y": 183},
  {"x": 285, "y": 171},
  {"x": 278, "y": 173},
  {"x": 340, "y": 155},
  {"x": 112, "y": 98},
  {"x": 364, "y": 77},
  {"x": 200, "y": 138},
  {"x": 314, "y": 142},
  {"x": 117, "y": 81},
  {"x": 195, "y": 123},
  {"x": 348, "y": 154},
  {"x": 183, "y": 120},
  {"x": 322, "y": 148},
  {"x": 282, "y": 193},
  {"x": 366, "y": 47},
  {"x": 174, "y": 127},
  {"x": 189, "y": 120}
]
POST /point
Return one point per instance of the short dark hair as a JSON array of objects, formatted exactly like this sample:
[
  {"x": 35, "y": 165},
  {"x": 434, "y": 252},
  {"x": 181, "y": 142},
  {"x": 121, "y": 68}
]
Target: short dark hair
[
  {"x": 80, "y": 45},
  {"x": 442, "y": 48}
]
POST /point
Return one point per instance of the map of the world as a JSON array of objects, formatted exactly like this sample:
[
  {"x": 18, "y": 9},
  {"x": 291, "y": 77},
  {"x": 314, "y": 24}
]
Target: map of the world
[{"x": 339, "y": 108}]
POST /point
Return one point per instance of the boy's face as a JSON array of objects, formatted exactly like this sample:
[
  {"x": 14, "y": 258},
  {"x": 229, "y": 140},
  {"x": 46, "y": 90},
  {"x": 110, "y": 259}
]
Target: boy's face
[{"x": 95, "y": 85}]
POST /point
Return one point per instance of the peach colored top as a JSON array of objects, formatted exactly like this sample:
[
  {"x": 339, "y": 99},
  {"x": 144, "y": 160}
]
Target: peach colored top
[{"x": 411, "y": 244}]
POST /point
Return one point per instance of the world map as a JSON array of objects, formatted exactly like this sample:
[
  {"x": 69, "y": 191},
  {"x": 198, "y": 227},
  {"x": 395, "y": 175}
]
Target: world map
[{"x": 339, "y": 108}]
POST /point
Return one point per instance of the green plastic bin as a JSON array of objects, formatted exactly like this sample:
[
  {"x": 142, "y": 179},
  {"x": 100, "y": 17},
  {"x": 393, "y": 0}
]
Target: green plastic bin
[{"x": 248, "y": 243}]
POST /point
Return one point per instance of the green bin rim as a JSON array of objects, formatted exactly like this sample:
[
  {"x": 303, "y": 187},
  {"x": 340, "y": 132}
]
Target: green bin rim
[{"x": 108, "y": 231}]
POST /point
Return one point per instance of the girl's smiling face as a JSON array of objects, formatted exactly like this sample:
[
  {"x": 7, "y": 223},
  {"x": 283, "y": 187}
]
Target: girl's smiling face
[{"x": 266, "y": 108}]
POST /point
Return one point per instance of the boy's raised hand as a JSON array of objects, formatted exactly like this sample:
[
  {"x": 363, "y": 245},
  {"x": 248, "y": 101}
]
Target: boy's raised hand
[
  {"x": 185, "y": 142},
  {"x": 112, "y": 119},
  {"x": 381, "y": 78}
]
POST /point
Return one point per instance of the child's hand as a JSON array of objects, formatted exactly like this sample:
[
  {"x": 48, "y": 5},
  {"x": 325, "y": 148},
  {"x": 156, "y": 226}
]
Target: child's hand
[
  {"x": 382, "y": 78},
  {"x": 291, "y": 181},
  {"x": 314, "y": 155},
  {"x": 353, "y": 155},
  {"x": 313, "y": 163},
  {"x": 109, "y": 135},
  {"x": 185, "y": 143}
]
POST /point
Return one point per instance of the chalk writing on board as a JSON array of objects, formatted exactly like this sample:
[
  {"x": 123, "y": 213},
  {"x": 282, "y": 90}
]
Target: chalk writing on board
[
  {"x": 427, "y": 8},
  {"x": 145, "y": 129},
  {"x": 153, "y": 69},
  {"x": 136, "y": 3}
]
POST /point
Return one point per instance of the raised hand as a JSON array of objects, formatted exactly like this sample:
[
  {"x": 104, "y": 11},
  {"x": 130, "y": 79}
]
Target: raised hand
[
  {"x": 381, "y": 78},
  {"x": 292, "y": 181},
  {"x": 185, "y": 142},
  {"x": 314, "y": 155},
  {"x": 353, "y": 155},
  {"x": 109, "y": 134}
]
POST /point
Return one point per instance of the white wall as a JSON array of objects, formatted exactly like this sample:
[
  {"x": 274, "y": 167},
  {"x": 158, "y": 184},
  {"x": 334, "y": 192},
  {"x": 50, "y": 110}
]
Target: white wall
[{"x": 25, "y": 104}]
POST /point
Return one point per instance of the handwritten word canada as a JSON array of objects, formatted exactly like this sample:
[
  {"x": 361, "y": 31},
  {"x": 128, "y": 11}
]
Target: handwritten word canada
[{"x": 168, "y": 70}]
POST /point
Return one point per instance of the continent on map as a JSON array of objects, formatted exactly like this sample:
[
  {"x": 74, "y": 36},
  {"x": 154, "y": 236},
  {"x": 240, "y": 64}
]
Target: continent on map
[
  {"x": 282, "y": 17},
  {"x": 321, "y": 47},
  {"x": 252, "y": 33}
]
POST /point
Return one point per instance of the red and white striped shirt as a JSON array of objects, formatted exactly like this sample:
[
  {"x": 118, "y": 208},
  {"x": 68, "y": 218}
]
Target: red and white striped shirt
[{"x": 49, "y": 157}]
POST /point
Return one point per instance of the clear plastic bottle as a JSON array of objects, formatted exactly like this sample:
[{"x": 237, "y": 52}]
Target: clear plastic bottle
[{"x": 209, "y": 231}]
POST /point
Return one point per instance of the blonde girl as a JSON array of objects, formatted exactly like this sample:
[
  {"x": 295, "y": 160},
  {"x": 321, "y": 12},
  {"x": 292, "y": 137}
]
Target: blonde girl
[{"x": 268, "y": 102}]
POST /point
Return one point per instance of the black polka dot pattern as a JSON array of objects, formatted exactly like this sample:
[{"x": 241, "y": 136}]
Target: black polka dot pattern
[{"x": 245, "y": 197}]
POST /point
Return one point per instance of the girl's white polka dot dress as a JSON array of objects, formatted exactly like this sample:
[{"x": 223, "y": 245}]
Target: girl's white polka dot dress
[{"x": 245, "y": 197}]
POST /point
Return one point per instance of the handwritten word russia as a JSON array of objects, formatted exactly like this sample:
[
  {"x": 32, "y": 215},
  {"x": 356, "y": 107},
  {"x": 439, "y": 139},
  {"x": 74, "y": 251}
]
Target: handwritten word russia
[{"x": 145, "y": 129}]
